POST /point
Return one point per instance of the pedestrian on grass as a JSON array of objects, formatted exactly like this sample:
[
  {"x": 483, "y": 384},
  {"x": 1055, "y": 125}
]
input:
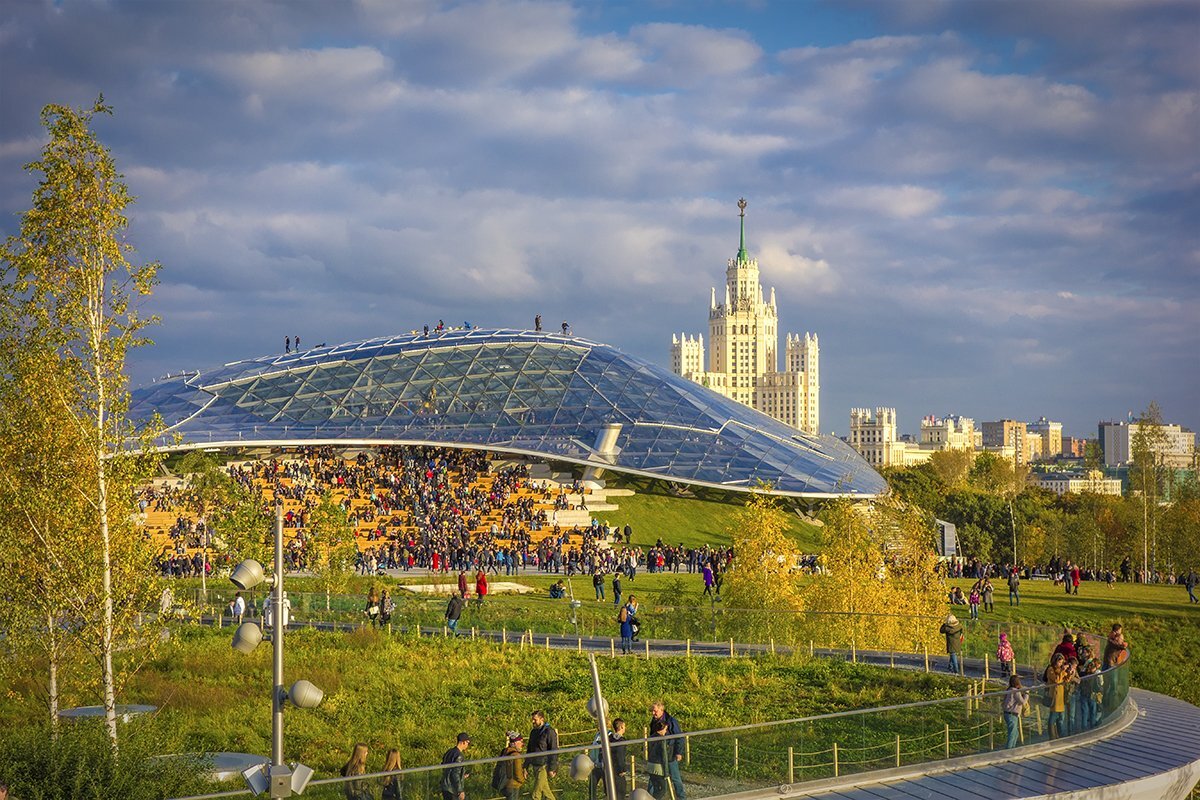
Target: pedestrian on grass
[
  {"x": 454, "y": 775},
  {"x": 616, "y": 587},
  {"x": 1190, "y": 582},
  {"x": 1014, "y": 588},
  {"x": 481, "y": 586},
  {"x": 372, "y": 608},
  {"x": 952, "y": 629},
  {"x": 542, "y": 739},
  {"x": 989, "y": 593},
  {"x": 454, "y": 611}
]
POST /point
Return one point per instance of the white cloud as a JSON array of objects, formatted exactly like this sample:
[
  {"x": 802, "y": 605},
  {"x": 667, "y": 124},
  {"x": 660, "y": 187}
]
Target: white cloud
[{"x": 899, "y": 202}]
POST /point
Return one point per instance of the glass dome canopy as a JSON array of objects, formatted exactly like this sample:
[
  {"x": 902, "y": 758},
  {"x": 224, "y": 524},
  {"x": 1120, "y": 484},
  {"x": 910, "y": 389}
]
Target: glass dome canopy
[{"x": 538, "y": 394}]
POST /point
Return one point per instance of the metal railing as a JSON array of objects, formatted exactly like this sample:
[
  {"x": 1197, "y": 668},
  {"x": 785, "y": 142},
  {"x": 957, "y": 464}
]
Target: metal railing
[
  {"x": 786, "y": 752},
  {"x": 520, "y": 616}
]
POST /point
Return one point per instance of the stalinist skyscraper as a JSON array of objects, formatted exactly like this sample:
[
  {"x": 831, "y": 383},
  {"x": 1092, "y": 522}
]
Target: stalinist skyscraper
[{"x": 743, "y": 357}]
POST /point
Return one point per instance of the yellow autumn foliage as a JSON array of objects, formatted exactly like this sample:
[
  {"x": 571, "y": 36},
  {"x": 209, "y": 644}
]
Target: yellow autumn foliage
[{"x": 879, "y": 578}]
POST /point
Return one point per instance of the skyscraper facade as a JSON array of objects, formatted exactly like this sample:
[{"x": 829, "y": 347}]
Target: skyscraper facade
[{"x": 743, "y": 352}]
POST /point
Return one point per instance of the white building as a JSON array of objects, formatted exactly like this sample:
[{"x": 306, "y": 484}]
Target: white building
[
  {"x": 1116, "y": 439},
  {"x": 743, "y": 350},
  {"x": 1072, "y": 483},
  {"x": 874, "y": 435},
  {"x": 951, "y": 432}
]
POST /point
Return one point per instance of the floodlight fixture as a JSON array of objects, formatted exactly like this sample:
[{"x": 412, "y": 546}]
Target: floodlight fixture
[
  {"x": 247, "y": 637},
  {"x": 305, "y": 695},
  {"x": 581, "y": 767},
  {"x": 256, "y": 778},
  {"x": 591, "y": 708},
  {"x": 248, "y": 574}
]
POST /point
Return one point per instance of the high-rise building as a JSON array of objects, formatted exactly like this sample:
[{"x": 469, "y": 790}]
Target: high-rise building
[
  {"x": 743, "y": 349},
  {"x": 1050, "y": 434},
  {"x": 1011, "y": 439},
  {"x": 951, "y": 432},
  {"x": 876, "y": 438},
  {"x": 1177, "y": 448}
]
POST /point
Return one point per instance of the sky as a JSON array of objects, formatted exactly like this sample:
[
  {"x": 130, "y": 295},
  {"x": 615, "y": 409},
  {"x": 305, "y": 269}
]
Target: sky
[{"x": 981, "y": 208}]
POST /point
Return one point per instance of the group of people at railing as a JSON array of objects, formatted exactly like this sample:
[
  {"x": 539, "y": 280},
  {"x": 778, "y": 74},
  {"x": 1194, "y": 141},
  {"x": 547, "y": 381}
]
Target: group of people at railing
[
  {"x": 531, "y": 764},
  {"x": 1078, "y": 687}
]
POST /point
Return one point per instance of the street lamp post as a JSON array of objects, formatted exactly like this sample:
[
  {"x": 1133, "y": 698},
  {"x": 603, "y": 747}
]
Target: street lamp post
[{"x": 279, "y": 778}]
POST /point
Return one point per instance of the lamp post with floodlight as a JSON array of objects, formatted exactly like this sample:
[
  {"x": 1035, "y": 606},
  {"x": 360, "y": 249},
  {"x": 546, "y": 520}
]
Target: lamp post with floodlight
[{"x": 279, "y": 778}]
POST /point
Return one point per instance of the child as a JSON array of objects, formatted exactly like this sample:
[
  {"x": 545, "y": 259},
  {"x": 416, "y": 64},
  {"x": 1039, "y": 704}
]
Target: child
[
  {"x": 974, "y": 602},
  {"x": 1006, "y": 657}
]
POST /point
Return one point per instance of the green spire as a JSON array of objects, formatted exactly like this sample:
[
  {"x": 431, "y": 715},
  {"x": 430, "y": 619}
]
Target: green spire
[{"x": 742, "y": 257}]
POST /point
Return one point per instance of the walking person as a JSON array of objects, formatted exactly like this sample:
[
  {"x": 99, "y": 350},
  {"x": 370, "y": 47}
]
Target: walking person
[
  {"x": 1014, "y": 588},
  {"x": 952, "y": 629},
  {"x": 708, "y": 580},
  {"x": 1015, "y": 705},
  {"x": 454, "y": 775},
  {"x": 989, "y": 593},
  {"x": 481, "y": 587},
  {"x": 542, "y": 739},
  {"x": 662, "y": 726},
  {"x": 356, "y": 765},
  {"x": 616, "y": 587},
  {"x": 1190, "y": 583},
  {"x": 454, "y": 611},
  {"x": 393, "y": 788},
  {"x": 1006, "y": 656},
  {"x": 513, "y": 771},
  {"x": 372, "y": 608},
  {"x": 620, "y": 763},
  {"x": 598, "y": 584},
  {"x": 387, "y": 607},
  {"x": 625, "y": 620}
]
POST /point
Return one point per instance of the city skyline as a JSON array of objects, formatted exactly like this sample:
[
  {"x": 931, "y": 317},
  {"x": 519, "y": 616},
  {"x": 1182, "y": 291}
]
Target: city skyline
[{"x": 988, "y": 209}]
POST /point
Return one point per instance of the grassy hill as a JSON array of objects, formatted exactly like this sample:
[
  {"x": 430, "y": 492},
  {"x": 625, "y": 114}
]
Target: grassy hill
[{"x": 691, "y": 521}]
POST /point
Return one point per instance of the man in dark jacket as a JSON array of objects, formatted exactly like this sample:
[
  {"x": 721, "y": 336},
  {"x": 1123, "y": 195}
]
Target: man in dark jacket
[
  {"x": 453, "y": 776},
  {"x": 1014, "y": 588},
  {"x": 454, "y": 610},
  {"x": 952, "y": 629},
  {"x": 542, "y": 738},
  {"x": 663, "y": 724}
]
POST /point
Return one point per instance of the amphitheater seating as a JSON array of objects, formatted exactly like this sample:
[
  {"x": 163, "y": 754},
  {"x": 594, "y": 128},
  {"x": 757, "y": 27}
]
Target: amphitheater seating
[{"x": 158, "y": 523}]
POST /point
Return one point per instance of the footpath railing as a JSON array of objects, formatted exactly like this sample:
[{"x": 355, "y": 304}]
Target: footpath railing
[
  {"x": 778, "y": 630},
  {"x": 786, "y": 752}
]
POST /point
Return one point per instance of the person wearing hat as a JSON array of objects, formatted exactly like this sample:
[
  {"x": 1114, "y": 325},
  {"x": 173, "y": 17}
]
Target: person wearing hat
[
  {"x": 515, "y": 768},
  {"x": 454, "y": 776},
  {"x": 952, "y": 629}
]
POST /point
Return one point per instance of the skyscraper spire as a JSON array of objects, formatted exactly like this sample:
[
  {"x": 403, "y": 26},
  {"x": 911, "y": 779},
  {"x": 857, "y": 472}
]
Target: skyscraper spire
[{"x": 741, "y": 255}]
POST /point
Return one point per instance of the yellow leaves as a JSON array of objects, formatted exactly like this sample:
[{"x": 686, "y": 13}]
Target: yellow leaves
[{"x": 879, "y": 570}]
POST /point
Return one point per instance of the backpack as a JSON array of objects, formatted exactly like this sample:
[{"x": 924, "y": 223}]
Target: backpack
[
  {"x": 500, "y": 774},
  {"x": 623, "y": 614},
  {"x": 595, "y": 753}
]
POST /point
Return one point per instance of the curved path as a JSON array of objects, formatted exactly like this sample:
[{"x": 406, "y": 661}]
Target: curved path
[{"x": 1151, "y": 753}]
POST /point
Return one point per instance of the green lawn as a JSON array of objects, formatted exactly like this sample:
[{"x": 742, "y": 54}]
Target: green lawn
[
  {"x": 1162, "y": 628},
  {"x": 692, "y": 522}
]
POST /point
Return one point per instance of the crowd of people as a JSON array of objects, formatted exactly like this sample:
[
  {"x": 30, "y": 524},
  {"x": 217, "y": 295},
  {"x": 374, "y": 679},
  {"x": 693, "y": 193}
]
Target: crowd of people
[
  {"x": 531, "y": 763},
  {"x": 1078, "y": 686}
]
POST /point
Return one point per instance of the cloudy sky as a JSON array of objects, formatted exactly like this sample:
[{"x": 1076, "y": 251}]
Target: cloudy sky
[{"x": 983, "y": 208}]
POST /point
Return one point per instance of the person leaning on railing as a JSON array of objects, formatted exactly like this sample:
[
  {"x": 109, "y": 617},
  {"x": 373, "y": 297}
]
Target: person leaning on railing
[{"x": 1015, "y": 705}]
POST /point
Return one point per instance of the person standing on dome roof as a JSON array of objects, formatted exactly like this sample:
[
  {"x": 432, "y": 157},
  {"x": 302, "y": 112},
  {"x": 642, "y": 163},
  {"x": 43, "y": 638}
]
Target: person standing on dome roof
[{"x": 537, "y": 323}]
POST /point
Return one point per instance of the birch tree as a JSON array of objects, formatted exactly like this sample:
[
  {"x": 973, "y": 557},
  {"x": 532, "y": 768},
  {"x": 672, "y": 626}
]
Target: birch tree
[{"x": 72, "y": 289}]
